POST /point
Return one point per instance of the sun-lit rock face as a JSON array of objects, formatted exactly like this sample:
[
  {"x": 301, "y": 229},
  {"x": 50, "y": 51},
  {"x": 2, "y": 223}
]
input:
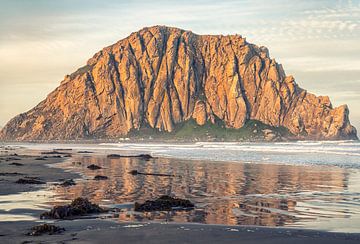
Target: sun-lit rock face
[{"x": 162, "y": 76}]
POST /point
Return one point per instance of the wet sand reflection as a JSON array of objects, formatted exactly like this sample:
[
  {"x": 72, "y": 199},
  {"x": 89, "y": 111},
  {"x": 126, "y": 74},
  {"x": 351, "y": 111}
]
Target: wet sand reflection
[{"x": 224, "y": 193}]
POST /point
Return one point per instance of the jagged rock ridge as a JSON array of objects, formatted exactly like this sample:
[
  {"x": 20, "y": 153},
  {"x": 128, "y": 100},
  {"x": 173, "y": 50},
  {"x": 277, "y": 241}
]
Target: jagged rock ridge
[{"x": 162, "y": 76}]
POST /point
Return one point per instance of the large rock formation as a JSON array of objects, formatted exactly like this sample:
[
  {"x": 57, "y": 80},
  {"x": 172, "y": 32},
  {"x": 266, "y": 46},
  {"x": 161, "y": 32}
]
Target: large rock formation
[{"x": 162, "y": 76}]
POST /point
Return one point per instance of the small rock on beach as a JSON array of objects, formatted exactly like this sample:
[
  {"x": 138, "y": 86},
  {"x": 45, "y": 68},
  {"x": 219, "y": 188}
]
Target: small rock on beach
[{"x": 93, "y": 167}]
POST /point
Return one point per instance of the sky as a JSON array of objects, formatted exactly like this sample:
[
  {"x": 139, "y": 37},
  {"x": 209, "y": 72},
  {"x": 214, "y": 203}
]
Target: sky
[{"x": 318, "y": 42}]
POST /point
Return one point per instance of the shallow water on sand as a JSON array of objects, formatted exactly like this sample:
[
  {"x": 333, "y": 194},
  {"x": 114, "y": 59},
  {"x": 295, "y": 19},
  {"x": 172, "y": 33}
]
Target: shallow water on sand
[
  {"x": 312, "y": 185},
  {"x": 231, "y": 193}
]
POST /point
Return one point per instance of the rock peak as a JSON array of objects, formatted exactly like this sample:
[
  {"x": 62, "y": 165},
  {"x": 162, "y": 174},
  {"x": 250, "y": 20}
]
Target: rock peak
[{"x": 160, "y": 77}]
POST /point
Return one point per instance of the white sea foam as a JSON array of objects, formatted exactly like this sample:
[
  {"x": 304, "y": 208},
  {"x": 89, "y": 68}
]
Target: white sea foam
[{"x": 339, "y": 153}]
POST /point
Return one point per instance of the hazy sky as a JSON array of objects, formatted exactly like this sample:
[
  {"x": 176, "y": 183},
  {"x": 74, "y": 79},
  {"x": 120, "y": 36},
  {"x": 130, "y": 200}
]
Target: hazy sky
[{"x": 41, "y": 41}]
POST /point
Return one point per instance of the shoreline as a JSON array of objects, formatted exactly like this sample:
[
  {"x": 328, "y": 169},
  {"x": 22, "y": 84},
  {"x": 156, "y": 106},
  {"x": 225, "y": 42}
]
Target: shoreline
[
  {"x": 147, "y": 140},
  {"x": 107, "y": 148},
  {"x": 100, "y": 230}
]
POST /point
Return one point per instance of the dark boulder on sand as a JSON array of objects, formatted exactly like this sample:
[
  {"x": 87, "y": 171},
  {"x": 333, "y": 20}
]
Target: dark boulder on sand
[
  {"x": 164, "y": 203},
  {"x": 78, "y": 207}
]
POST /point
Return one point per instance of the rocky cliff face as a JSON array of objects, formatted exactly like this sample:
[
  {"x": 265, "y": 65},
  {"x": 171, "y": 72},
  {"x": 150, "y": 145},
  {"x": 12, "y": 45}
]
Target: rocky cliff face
[{"x": 161, "y": 76}]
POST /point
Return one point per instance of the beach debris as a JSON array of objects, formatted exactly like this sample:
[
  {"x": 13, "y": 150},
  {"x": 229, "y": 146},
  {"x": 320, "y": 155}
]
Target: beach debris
[
  {"x": 133, "y": 226},
  {"x": 183, "y": 228},
  {"x": 12, "y": 158},
  {"x": 69, "y": 182},
  {"x": 53, "y": 156},
  {"x": 54, "y": 152},
  {"x": 85, "y": 152},
  {"x": 10, "y": 174},
  {"x": 32, "y": 177},
  {"x": 45, "y": 229},
  {"x": 16, "y": 164},
  {"x": 94, "y": 167},
  {"x": 57, "y": 154},
  {"x": 78, "y": 207},
  {"x": 135, "y": 172},
  {"x": 113, "y": 156},
  {"x": 144, "y": 156},
  {"x": 232, "y": 230},
  {"x": 40, "y": 158},
  {"x": 100, "y": 177},
  {"x": 164, "y": 203},
  {"x": 76, "y": 163},
  {"x": 28, "y": 180},
  {"x": 141, "y": 156}
]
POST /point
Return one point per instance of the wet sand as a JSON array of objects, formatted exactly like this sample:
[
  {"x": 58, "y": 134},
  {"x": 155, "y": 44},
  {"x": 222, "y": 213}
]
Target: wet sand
[
  {"x": 105, "y": 231},
  {"x": 109, "y": 231},
  {"x": 21, "y": 165}
]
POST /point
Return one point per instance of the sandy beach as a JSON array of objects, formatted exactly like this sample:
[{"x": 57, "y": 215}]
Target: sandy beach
[
  {"x": 105, "y": 231},
  {"x": 21, "y": 163},
  {"x": 15, "y": 165}
]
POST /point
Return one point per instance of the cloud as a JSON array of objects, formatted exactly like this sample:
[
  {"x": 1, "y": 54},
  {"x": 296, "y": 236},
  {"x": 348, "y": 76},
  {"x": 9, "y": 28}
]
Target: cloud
[
  {"x": 315, "y": 25},
  {"x": 48, "y": 39}
]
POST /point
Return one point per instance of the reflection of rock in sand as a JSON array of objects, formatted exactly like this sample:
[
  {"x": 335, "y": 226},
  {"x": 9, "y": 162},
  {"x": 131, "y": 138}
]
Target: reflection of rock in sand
[{"x": 224, "y": 193}]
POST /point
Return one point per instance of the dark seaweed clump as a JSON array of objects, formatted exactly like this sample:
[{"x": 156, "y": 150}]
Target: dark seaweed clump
[
  {"x": 67, "y": 183},
  {"x": 29, "y": 181},
  {"x": 78, "y": 207},
  {"x": 164, "y": 203},
  {"x": 100, "y": 177},
  {"x": 93, "y": 167},
  {"x": 45, "y": 229}
]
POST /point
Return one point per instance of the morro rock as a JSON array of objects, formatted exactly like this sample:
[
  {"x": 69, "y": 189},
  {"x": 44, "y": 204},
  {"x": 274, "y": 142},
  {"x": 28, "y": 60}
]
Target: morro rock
[{"x": 159, "y": 77}]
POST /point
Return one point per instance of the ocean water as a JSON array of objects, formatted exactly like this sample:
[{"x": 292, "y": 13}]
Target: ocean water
[
  {"x": 337, "y": 153},
  {"x": 344, "y": 154},
  {"x": 306, "y": 184}
]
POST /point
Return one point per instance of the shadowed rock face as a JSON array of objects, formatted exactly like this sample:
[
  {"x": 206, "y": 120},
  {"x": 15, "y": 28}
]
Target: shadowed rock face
[{"x": 162, "y": 76}]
